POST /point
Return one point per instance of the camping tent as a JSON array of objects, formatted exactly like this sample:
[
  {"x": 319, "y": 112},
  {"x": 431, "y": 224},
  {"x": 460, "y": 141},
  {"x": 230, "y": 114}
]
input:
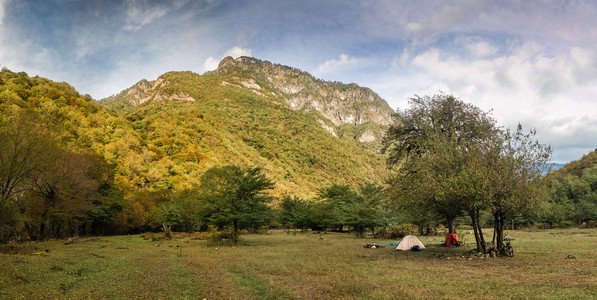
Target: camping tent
[{"x": 409, "y": 241}]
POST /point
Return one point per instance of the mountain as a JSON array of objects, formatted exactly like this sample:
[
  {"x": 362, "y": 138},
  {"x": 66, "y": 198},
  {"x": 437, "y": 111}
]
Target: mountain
[
  {"x": 161, "y": 136},
  {"x": 127, "y": 100},
  {"x": 306, "y": 133},
  {"x": 556, "y": 166},
  {"x": 577, "y": 167},
  {"x": 345, "y": 110}
]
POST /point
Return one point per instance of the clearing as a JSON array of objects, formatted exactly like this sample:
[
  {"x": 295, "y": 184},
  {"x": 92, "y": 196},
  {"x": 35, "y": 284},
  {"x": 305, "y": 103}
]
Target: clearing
[{"x": 282, "y": 265}]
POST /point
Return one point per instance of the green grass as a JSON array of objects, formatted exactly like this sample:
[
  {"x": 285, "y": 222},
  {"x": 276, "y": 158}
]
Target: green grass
[{"x": 283, "y": 266}]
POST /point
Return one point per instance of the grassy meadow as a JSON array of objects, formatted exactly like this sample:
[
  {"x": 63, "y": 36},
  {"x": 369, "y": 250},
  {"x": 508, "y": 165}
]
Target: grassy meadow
[{"x": 282, "y": 265}]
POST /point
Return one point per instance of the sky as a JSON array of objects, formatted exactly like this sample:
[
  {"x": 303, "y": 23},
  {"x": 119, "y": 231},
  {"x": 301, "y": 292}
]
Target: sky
[{"x": 528, "y": 62}]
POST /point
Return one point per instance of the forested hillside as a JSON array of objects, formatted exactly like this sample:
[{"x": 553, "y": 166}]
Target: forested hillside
[
  {"x": 72, "y": 166},
  {"x": 191, "y": 122},
  {"x": 573, "y": 195},
  {"x": 62, "y": 160}
]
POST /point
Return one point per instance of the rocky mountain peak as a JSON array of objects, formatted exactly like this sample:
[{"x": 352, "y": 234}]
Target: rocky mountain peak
[
  {"x": 347, "y": 111},
  {"x": 229, "y": 64},
  {"x": 135, "y": 93},
  {"x": 337, "y": 104},
  {"x": 227, "y": 61}
]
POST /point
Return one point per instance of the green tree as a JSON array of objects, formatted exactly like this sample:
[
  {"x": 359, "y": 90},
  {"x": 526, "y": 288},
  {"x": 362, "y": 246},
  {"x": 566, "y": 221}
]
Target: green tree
[
  {"x": 427, "y": 147},
  {"x": 236, "y": 197},
  {"x": 376, "y": 205},
  {"x": 25, "y": 149},
  {"x": 297, "y": 213},
  {"x": 450, "y": 157},
  {"x": 341, "y": 206},
  {"x": 516, "y": 178},
  {"x": 559, "y": 206},
  {"x": 338, "y": 203},
  {"x": 182, "y": 212},
  {"x": 65, "y": 189}
]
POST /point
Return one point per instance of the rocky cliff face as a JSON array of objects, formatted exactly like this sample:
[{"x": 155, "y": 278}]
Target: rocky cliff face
[
  {"x": 143, "y": 92},
  {"x": 337, "y": 104},
  {"x": 135, "y": 93},
  {"x": 127, "y": 100}
]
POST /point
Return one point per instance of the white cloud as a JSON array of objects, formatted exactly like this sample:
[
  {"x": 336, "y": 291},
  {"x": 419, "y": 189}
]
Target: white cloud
[
  {"x": 441, "y": 18},
  {"x": 557, "y": 95},
  {"x": 20, "y": 53},
  {"x": 139, "y": 13},
  {"x": 402, "y": 60},
  {"x": 413, "y": 26},
  {"x": 481, "y": 49},
  {"x": 238, "y": 51},
  {"x": 531, "y": 61},
  {"x": 2, "y": 32},
  {"x": 211, "y": 63},
  {"x": 334, "y": 65}
]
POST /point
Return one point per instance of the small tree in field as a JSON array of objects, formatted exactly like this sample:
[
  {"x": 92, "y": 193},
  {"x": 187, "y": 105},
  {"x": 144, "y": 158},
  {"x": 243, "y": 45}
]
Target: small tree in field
[{"x": 236, "y": 197}]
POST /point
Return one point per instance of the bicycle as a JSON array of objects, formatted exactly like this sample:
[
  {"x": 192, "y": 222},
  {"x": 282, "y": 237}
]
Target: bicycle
[{"x": 508, "y": 250}]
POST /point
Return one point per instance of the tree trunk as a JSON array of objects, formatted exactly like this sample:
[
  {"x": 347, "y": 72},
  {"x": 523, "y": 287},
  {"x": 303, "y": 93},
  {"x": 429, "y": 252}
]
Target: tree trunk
[
  {"x": 495, "y": 221},
  {"x": 499, "y": 232},
  {"x": 481, "y": 238},
  {"x": 235, "y": 233},
  {"x": 478, "y": 231},
  {"x": 451, "y": 224}
]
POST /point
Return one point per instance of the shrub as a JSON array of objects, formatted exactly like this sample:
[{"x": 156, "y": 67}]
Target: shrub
[
  {"x": 465, "y": 227},
  {"x": 214, "y": 234},
  {"x": 154, "y": 237},
  {"x": 589, "y": 224},
  {"x": 441, "y": 230},
  {"x": 397, "y": 231}
]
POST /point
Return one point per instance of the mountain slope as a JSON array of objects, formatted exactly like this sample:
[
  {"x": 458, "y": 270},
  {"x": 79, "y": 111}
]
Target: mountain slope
[
  {"x": 577, "y": 167},
  {"x": 347, "y": 111},
  {"x": 185, "y": 123},
  {"x": 191, "y": 122},
  {"x": 573, "y": 192},
  {"x": 83, "y": 124}
]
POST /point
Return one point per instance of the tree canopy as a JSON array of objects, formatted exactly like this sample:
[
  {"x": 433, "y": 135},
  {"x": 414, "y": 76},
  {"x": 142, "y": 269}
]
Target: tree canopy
[
  {"x": 236, "y": 197},
  {"x": 450, "y": 157},
  {"x": 427, "y": 146}
]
